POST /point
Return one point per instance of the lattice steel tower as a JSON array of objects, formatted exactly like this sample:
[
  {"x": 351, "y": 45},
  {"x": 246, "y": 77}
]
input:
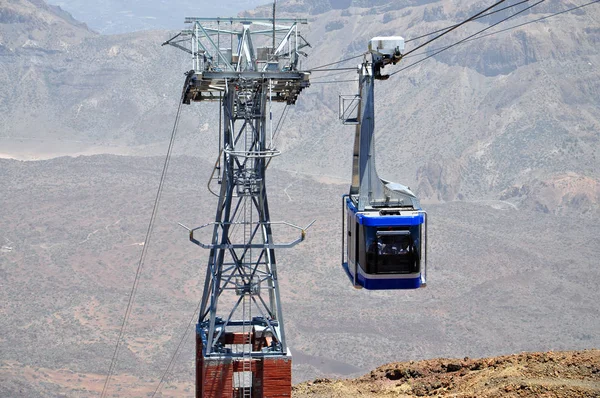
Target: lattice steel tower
[{"x": 245, "y": 64}]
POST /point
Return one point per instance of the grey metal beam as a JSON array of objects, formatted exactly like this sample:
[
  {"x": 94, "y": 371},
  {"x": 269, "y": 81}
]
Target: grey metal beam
[
  {"x": 253, "y": 75},
  {"x": 303, "y": 21}
]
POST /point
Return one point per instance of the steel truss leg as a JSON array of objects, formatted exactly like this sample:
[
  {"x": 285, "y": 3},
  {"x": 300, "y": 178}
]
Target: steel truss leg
[{"x": 242, "y": 216}]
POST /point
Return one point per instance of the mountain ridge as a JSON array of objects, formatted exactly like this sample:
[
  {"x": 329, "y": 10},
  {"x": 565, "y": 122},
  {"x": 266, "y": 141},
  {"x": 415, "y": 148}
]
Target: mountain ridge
[
  {"x": 34, "y": 25},
  {"x": 470, "y": 121}
]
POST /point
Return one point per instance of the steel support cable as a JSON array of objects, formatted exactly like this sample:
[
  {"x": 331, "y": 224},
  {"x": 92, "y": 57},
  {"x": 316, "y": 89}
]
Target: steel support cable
[
  {"x": 471, "y": 38},
  {"x": 466, "y": 38},
  {"x": 456, "y": 26},
  {"x": 334, "y": 69},
  {"x": 479, "y": 17},
  {"x": 176, "y": 353},
  {"x": 277, "y": 129},
  {"x": 336, "y": 62},
  {"x": 333, "y": 74},
  {"x": 537, "y": 20},
  {"x": 446, "y": 30},
  {"x": 514, "y": 27},
  {"x": 280, "y": 121},
  {"x": 336, "y": 81},
  {"x": 138, "y": 272}
]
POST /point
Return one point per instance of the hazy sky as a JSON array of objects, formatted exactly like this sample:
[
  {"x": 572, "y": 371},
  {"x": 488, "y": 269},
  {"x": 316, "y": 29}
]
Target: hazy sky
[{"x": 119, "y": 16}]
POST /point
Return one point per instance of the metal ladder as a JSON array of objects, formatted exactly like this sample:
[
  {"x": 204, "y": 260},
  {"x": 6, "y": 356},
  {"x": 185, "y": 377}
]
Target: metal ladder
[
  {"x": 247, "y": 300},
  {"x": 247, "y": 347}
]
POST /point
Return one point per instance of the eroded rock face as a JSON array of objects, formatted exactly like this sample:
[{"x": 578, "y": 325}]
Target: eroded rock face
[
  {"x": 560, "y": 194},
  {"x": 439, "y": 181},
  {"x": 558, "y": 374},
  {"x": 517, "y": 109},
  {"x": 34, "y": 25}
]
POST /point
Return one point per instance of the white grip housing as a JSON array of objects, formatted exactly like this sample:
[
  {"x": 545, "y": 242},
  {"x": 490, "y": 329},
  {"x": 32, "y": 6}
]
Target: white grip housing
[{"x": 386, "y": 45}]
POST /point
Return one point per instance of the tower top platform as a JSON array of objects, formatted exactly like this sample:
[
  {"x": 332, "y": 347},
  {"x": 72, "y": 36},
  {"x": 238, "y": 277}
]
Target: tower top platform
[
  {"x": 246, "y": 51},
  {"x": 283, "y": 86}
]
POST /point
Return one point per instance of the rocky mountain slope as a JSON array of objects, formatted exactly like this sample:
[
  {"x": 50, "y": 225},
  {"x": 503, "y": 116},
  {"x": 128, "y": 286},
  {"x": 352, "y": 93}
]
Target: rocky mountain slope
[
  {"x": 563, "y": 374},
  {"x": 33, "y": 26},
  {"x": 99, "y": 94},
  {"x": 512, "y": 116},
  {"x": 552, "y": 374},
  {"x": 500, "y": 281},
  {"x": 500, "y": 136},
  {"x": 119, "y": 16}
]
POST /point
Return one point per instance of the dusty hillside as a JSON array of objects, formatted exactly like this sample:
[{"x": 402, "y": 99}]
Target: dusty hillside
[
  {"x": 567, "y": 374},
  {"x": 512, "y": 116},
  {"x": 512, "y": 157},
  {"x": 70, "y": 237}
]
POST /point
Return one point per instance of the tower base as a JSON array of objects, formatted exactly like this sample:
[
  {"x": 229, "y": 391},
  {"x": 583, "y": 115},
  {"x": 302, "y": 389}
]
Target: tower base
[{"x": 229, "y": 376}]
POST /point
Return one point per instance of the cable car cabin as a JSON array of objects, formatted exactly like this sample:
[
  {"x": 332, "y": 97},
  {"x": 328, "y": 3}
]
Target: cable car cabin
[{"x": 385, "y": 247}]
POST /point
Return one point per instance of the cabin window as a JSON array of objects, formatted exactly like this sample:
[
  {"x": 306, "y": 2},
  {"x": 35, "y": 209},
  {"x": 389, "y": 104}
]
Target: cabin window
[
  {"x": 389, "y": 250},
  {"x": 352, "y": 238}
]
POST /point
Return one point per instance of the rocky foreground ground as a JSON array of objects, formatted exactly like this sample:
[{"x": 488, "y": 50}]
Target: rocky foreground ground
[{"x": 567, "y": 374}]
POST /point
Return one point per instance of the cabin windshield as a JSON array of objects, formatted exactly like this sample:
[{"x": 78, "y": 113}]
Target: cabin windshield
[{"x": 391, "y": 250}]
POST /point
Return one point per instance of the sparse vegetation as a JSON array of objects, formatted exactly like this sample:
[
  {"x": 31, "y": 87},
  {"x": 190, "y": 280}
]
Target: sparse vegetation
[{"x": 498, "y": 136}]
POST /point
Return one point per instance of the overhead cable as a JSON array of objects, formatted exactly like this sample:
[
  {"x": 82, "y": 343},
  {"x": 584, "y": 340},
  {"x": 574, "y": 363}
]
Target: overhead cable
[
  {"x": 175, "y": 354},
  {"x": 333, "y": 69},
  {"x": 512, "y": 27},
  {"x": 332, "y": 74},
  {"x": 466, "y": 38},
  {"x": 336, "y": 62},
  {"x": 277, "y": 129},
  {"x": 451, "y": 26},
  {"x": 279, "y": 122},
  {"x": 338, "y": 81},
  {"x": 537, "y": 20},
  {"x": 446, "y": 30},
  {"x": 472, "y": 38},
  {"x": 456, "y": 26},
  {"x": 138, "y": 272}
]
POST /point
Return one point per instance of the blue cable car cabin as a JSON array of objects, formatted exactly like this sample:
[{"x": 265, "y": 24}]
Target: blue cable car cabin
[
  {"x": 385, "y": 247},
  {"x": 384, "y": 229}
]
